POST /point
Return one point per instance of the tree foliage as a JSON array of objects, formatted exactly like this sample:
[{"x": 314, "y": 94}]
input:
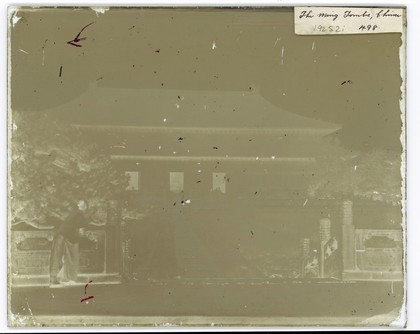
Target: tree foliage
[
  {"x": 372, "y": 173},
  {"x": 52, "y": 166}
]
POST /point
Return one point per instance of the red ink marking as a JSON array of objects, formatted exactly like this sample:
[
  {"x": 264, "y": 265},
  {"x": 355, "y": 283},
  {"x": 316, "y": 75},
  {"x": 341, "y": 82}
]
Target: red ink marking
[
  {"x": 87, "y": 285},
  {"x": 77, "y": 39},
  {"x": 87, "y": 298}
]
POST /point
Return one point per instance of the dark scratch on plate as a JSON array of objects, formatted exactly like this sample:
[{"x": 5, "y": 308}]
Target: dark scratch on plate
[
  {"x": 76, "y": 40},
  {"x": 87, "y": 298},
  {"x": 90, "y": 281}
]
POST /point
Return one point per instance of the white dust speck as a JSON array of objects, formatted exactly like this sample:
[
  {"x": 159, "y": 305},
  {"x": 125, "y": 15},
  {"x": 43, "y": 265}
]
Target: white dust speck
[
  {"x": 29, "y": 309},
  {"x": 99, "y": 10},
  {"x": 14, "y": 126},
  {"x": 160, "y": 147},
  {"x": 188, "y": 201},
  {"x": 199, "y": 171},
  {"x": 174, "y": 152},
  {"x": 164, "y": 120},
  {"x": 168, "y": 324},
  {"x": 282, "y": 55},
  {"x": 257, "y": 158},
  {"x": 313, "y": 45},
  {"x": 273, "y": 157},
  {"x": 214, "y": 45},
  {"x": 355, "y": 167},
  {"x": 306, "y": 201},
  {"x": 177, "y": 105},
  {"x": 15, "y": 19},
  {"x": 277, "y": 40},
  {"x": 23, "y": 51}
]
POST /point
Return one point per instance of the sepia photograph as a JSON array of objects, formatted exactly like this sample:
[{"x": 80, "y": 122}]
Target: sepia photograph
[{"x": 206, "y": 166}]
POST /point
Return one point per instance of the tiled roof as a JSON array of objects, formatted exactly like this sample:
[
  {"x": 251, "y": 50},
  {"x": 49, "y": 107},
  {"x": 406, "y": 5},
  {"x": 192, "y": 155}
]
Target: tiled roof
[{"x": 160, "y": 109}]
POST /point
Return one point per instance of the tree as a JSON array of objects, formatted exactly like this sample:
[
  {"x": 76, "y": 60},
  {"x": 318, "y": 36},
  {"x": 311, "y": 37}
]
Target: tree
[
  {"x": 52, "y": 166},
  {"x": 344, "y": 174}
]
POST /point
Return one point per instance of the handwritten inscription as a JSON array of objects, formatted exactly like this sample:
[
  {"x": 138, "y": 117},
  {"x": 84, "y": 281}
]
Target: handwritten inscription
[
  {"x": 330, "y": 28},
  {"x": 336, "y": 20}
]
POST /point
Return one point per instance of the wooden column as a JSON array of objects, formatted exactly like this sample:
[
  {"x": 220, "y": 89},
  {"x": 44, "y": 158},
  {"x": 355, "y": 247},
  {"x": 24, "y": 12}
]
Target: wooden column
[
  {"x": 113, "y": 238},
  {"x": 324, "y": 236}
]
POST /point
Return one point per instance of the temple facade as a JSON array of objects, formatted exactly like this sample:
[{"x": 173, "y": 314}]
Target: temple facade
[{"x": 223, "y": 176}]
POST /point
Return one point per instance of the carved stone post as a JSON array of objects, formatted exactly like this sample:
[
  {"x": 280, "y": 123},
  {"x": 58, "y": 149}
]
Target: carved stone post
[
  {"x": 305, "y": 248},
  {"x": 349, "y": 262}
]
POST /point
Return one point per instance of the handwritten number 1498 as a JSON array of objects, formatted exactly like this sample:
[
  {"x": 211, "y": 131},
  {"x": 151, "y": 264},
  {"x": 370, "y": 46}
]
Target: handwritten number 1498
[{"x": 368, "y": 27}]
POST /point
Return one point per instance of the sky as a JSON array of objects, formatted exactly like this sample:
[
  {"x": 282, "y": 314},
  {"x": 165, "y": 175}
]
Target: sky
[{"x": 352, "y": 80}]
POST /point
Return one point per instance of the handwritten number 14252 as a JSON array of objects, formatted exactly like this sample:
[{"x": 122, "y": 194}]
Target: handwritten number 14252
[{"x": 322, "y": 28}]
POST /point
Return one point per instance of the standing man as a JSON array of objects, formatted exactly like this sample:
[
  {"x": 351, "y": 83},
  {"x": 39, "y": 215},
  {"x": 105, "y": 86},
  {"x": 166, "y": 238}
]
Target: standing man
[{"x": 66, "y": 246}]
